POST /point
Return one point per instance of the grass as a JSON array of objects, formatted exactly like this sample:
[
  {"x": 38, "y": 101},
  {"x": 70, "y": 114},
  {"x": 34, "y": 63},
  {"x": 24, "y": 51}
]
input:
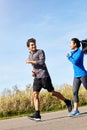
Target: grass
[{"x": 20, "y": 103}]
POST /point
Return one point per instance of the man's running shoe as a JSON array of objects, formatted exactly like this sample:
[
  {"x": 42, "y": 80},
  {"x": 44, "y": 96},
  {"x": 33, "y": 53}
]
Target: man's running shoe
[
  {"x": 69, "y": 105},
  {"x": 74, "y": 113},
  {"x": 35, "y": 117}
]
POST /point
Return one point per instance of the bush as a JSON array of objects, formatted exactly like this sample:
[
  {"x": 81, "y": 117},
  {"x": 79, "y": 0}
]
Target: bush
[{"x": 21, "y": 102}]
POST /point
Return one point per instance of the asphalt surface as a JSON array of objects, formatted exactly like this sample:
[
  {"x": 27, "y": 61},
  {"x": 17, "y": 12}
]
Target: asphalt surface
[{"x": 50, "y": 121}]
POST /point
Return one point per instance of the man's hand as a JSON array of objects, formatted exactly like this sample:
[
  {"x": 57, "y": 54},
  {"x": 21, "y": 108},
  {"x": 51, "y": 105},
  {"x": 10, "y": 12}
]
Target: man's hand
[
  {"x": 28, "y": 61},
  {"x": 33, "y": 74}
]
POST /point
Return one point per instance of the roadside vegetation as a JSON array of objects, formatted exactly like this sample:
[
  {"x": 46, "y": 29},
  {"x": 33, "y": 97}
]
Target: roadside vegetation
[{"x": 19, "y": 103}]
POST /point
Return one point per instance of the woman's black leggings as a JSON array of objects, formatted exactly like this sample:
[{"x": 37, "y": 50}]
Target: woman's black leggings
[{"x": 76, "y": 85}]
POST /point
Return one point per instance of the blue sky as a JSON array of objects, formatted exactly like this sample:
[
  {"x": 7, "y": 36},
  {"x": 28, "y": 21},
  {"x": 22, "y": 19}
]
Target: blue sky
[{"x": 52, "y": 23}]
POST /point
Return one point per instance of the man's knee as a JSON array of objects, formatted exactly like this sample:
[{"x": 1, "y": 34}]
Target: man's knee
[
  {"x": 52, "y": 93},
  {"x": 35, "y": 94}
]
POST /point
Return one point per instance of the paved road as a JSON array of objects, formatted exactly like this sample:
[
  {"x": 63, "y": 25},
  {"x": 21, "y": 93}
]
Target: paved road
[{"x": 50, "y": 121}]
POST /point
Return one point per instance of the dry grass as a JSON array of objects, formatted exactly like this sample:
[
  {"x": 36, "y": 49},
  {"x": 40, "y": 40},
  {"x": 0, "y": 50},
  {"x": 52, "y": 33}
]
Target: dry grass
[{"x": 21, "y": 102}]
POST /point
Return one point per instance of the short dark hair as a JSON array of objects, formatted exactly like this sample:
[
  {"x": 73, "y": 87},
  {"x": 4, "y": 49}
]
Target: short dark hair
[
  {"x": 30, "y": 40},
  {"x": 76, "y": 40}
]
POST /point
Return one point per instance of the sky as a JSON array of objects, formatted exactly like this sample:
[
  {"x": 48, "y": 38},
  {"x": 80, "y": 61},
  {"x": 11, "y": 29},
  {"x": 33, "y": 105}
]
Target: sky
[{"x": 52, "y": 23}]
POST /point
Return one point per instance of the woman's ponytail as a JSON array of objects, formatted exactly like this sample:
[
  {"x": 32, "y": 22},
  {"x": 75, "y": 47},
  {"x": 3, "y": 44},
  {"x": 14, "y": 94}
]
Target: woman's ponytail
[{"x": 84, "y": 46}]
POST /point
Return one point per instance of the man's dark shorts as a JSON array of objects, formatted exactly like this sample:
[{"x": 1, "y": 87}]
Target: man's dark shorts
[{"x": 43, "y": 83}]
